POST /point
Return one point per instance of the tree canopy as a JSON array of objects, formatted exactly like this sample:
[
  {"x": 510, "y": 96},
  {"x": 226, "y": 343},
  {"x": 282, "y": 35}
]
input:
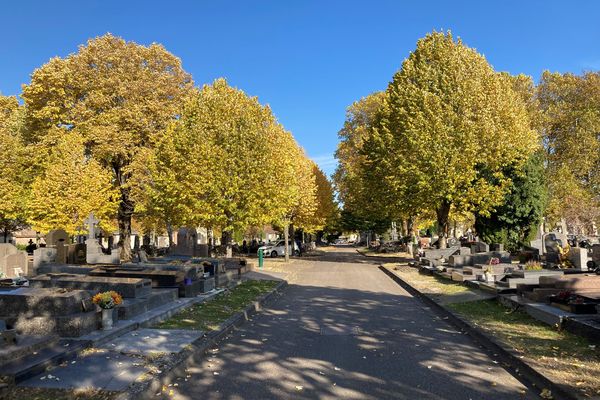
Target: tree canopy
[{"x": 118, "y": 96}]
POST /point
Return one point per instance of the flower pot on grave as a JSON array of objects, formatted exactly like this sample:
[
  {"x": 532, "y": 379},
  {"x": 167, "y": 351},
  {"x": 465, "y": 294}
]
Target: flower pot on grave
[{"x": 108, "y": 318}]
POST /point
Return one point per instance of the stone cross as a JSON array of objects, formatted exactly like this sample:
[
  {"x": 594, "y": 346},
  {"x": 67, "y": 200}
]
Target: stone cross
[{"x": 91, "y": 222}]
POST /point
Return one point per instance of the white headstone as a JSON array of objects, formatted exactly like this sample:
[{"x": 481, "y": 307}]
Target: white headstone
[{"x": 91, "y": 223}]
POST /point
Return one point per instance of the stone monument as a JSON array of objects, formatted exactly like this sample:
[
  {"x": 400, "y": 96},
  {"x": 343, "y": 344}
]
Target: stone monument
[
  {"x": 13, "y": 262},
  {"x": 58, "y": 239},
  {"x": 94, "y": 254}
]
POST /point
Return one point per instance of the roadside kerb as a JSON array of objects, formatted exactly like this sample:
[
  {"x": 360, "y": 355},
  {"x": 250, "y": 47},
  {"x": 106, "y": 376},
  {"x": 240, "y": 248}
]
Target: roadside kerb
[
  {"x": 511, "y": 360},
  {"x": 197, "y": 350}
]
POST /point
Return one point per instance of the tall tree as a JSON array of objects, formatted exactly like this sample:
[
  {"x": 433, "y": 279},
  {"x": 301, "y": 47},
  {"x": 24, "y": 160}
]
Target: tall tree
[
  {"x": 118, "y": 96},
  {"x": 14, "y": 174},
  {"x": 354, "y": 177},
  {"x": 455, "y": 122},
  {"x": 570, "y": 107},
  {"x": 225, "y": 163}
]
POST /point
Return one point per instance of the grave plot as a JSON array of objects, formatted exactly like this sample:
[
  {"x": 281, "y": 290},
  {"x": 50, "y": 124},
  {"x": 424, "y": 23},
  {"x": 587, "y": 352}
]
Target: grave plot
[
  {"x": 126, "y": 287},
  {"x": 160, "y": 278},
  {"x": 39, "y": 311},
  {"x": 574, "y": 293},
  {"x": 13, "y": 262}
]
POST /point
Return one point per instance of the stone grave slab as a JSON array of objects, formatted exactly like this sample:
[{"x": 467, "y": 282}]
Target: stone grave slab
[
  {"x": 104, "y": 370},
  {"x": 40, "y": 311},
  {"x": 435, "y": 254},
  {"x": 146, "y": 342},
  {"x": 158, "y": 278},
  {"x": 578, "y": 282},
  {"x": 127, "y": 287},
  {"x": 523, "y": 273},
  {"x": 191, "y": 271},
  {"x": 458, "y": 260}
]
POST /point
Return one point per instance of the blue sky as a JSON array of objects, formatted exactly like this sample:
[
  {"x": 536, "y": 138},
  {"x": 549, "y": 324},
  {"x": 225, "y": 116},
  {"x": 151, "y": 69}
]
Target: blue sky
[{"x": 307, "y": 59}]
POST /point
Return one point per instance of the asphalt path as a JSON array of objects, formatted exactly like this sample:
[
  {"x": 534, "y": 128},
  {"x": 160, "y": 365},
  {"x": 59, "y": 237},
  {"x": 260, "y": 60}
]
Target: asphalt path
[{"x": 344, "y": 330}]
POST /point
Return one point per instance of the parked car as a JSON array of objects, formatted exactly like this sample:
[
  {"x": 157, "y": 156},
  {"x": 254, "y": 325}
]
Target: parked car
[{"x": 278, "y": 249}]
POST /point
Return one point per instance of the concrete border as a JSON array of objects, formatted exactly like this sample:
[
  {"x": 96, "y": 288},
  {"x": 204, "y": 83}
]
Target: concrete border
[
  {"x": 512, "y": 362},
  {"x": 197, "y": 351}
]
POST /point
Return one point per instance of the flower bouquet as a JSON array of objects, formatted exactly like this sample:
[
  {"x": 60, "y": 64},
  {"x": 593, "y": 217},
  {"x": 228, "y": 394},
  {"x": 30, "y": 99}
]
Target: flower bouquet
[{"x": 107, "y": 301}]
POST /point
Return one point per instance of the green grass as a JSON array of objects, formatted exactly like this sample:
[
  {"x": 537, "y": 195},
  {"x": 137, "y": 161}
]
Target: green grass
[
  {"x": 431, "y": 285},
  {"x": 562, "y": 356},
  {"x": 209, "y": 315}
]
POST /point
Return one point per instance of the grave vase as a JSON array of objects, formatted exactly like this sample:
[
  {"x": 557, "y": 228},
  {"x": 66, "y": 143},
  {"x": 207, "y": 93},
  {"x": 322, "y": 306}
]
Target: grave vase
[{"x": 107, "y": 318}]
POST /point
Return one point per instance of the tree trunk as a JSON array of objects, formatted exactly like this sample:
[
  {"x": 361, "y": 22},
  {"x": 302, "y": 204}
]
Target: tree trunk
[
  {"x": 443, "y": 224},
  {"x": 125, "y": 235},
  {"x": 410, "y": 222},
  {"x": 286, "y": 238},
  {"x": 170, "y": 235},
  {"x": 126, "y": 208},
  {"x": 292, "y": 239},
  {"x": 226, "y": 237}
]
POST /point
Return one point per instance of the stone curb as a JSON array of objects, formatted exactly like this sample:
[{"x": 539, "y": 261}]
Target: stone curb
[
  {"x": 509, "y": 358},
  {"x": 198, "y": 349}
]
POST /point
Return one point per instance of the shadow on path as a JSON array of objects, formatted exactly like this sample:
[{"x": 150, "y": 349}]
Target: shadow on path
[{"x": 324, "y": 342}]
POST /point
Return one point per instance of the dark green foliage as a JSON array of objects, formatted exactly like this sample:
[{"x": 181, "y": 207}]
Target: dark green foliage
[
  {"x": 351, "y": 221},
  {"x": 516, "y": 222}
]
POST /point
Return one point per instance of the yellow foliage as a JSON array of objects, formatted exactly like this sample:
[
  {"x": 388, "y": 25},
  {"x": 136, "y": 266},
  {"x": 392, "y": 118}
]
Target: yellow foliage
[{"x": 70, "y": 188}]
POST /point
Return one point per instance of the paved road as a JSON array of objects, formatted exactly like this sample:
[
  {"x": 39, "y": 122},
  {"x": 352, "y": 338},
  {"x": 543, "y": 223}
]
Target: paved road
[{"x": 344, "y": 330}]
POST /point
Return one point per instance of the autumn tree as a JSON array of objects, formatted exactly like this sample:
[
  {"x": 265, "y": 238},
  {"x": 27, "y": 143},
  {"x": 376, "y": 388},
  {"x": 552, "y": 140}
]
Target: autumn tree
[
  {"x": 570, "y": 106},
  {"x": 455, "y": 126},
  {"x": 225, "y": 163},
  {"x": 327, "y": 211},
  {"x": 71, "y": 187},
  {"x": 118, "y": 96},
  {"x": 362, "y": 208},
  {"x": 13, "y": 166}
]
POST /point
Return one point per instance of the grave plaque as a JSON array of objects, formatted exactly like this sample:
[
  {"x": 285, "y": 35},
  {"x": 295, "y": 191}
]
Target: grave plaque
[{"x": 12, "y": 260}]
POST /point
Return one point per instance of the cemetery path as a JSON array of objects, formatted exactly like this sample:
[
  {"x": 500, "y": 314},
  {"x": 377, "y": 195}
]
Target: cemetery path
[{"x": 344, "y": 330}]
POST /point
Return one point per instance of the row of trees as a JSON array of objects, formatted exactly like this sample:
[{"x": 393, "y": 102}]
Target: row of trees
[
  {"x": 119, "y": 129},
  {"x": 453, "y": 140}
]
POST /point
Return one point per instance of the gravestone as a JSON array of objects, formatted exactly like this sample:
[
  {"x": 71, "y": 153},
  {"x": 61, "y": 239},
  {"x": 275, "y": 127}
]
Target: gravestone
[
  {"x": 552, "y": 241},
  {"x": 202, "y": 250},
  {"x": 76, "y": 253},
  {"x": 579, "y": 257},
  {"x": 537, "y": 244},
  {"x": 42, "y": 256},
  {"x": 497, "y": 247},
  {"x": 12, "y": 260},
  {"x": 186, "y": 242},
  {"x": 596, "y": 255},
  {"x": 58, "y": 239},
  {"x": 94, "y": 254},
  {"x": 479, "y": 247}
]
